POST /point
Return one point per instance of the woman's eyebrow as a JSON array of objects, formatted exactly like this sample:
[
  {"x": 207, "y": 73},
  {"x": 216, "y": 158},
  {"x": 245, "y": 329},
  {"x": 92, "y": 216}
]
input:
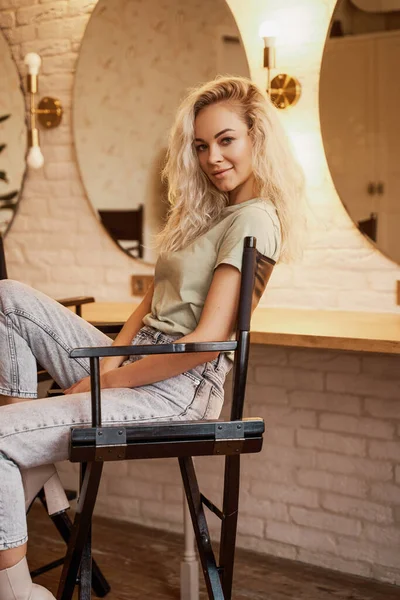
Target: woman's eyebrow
[{"x": 215, "y": 136}]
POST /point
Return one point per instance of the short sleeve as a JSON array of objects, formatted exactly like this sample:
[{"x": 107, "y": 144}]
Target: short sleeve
[{"x": 250, "y": 222}]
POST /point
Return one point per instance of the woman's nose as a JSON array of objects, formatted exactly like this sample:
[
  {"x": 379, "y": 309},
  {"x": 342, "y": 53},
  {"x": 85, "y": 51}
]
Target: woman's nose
[{"x": 214, "y": 155}]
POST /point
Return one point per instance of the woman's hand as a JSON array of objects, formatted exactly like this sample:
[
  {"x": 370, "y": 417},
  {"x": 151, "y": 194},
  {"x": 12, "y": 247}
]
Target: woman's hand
[{"x": 84, "y": 385}]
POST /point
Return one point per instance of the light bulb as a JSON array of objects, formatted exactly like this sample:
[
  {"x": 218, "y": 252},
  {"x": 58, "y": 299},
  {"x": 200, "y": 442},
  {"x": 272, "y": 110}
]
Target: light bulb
[
  {"x": 35, "y": 157},
  {"x": 269, "y": 31},
  {"x": 33, "y": 62}
]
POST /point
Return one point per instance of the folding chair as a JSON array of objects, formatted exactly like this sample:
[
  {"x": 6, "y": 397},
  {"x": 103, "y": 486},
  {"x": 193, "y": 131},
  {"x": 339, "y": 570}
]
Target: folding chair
[
  {"x": 92, "y": 446},
  {"x": 61, "y": 520}
]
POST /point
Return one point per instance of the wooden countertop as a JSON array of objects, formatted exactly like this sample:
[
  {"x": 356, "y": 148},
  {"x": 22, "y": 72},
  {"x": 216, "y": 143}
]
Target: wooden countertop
[{"x": 333, "y": 330}]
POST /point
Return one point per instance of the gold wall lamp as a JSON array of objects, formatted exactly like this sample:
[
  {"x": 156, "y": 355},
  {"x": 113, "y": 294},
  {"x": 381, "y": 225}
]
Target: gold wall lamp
[
  {"x": 48, "y": 113},
  {"x": 284, "y": 90}
]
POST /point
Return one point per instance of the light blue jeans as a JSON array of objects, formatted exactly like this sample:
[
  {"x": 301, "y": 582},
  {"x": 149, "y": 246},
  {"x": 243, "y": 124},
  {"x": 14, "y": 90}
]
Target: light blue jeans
[{"x": 33, "y": 327}]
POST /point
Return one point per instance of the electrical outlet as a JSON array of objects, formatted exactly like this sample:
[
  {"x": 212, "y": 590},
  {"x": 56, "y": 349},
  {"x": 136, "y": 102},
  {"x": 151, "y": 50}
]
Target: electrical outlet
[{"x": 140, "y": 284}]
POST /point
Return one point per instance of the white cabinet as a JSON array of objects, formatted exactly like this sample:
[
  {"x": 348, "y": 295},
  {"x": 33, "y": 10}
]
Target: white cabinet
[{"x": 359, "y": 110}]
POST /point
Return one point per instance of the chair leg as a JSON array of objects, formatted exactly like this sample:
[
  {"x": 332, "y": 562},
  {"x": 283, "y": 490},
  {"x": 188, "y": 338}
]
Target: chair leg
[
  {"x": 210, "y": 569},
  {"x": 80, "y": 530},
  {"x": 229, "y": 523},
  {"x": 63, "y": 524},
  {"x": 85, "y": 577}
]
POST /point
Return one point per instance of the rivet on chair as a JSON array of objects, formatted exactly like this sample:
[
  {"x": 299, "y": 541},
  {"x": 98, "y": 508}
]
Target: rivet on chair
[
  {"x": 219, "y": 426},
  {"x": 99, "y": 433},
  {"x": 120, "y": 432}
]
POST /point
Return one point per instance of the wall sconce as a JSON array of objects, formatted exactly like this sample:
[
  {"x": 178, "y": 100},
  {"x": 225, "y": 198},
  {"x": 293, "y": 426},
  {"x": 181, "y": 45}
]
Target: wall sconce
[
  {"x": 284, "y": 90},
  {"x": 48, "y": 113}
]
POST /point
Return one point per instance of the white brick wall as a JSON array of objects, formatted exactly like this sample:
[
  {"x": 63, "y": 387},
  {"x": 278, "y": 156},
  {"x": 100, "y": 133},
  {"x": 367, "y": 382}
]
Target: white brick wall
[{"x": 326, "y": 487}]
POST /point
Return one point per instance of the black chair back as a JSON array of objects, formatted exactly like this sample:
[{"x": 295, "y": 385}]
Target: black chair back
[
  {"x": 256, "y": 271},
  {"x": 125, "y": 225}
]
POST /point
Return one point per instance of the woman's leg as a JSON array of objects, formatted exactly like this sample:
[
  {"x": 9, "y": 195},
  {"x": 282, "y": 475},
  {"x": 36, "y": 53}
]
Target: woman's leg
[
  {"x": 37, "y": 433},
  {"x": 32, "y": 434},
  {"x": 9, "y": 400},
  {"x": 9, "y": 558},
  {"x": 34, "y": 327}
]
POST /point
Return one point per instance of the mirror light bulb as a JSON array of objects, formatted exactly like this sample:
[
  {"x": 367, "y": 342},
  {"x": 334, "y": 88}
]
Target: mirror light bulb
[
  {"x": 35, "y": 157},
  {"x": 33, "y": 62},
  {"x": 269, "y": 31}
]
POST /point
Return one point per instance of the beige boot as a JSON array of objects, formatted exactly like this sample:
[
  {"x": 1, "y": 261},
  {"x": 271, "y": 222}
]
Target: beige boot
[
  {"x": 16, "y": 584},
  {"x": 44, "y": 476}
]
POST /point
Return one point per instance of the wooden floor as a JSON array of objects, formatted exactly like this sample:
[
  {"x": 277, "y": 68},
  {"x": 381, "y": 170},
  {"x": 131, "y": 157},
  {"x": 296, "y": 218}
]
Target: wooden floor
[{"x": 141, "y": 563}]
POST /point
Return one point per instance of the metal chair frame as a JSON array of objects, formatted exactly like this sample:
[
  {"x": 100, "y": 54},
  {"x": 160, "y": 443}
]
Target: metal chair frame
[{"x": 92, "y": 446}]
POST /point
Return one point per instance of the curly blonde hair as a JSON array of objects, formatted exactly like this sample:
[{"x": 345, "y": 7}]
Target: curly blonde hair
[{"x": 195, "y": 204}]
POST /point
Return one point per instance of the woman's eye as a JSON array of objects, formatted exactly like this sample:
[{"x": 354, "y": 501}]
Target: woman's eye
[
  {"x": 227, "y": 140},
  {"x": 200, "y": 147}
]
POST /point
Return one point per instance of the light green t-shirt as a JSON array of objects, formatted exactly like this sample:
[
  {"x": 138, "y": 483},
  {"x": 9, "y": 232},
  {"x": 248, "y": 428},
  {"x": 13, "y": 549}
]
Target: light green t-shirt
[{"x": 182, "y": 278}]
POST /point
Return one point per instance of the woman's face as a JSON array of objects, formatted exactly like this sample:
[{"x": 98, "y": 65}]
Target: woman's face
[{"x": 224, "y": 149}]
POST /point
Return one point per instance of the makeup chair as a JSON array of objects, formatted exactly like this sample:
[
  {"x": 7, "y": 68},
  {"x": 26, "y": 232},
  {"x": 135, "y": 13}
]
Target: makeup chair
[
  {"x": 61, "y": 520},
  {"x": 92, "y": 446},
  {"x": 125, "y": 226}
]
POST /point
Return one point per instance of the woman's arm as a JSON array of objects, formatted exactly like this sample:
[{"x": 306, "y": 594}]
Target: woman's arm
[
  {"x": 217, "y": 323},
  {"x": 128, "y": 331}
]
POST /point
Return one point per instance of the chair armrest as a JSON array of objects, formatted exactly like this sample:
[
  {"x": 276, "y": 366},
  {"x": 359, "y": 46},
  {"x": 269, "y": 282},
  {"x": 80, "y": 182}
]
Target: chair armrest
[
  {"x": 78, "y": 301},
  {"x": 95, "y": 353},
  {"x": 157, "y": 349}
]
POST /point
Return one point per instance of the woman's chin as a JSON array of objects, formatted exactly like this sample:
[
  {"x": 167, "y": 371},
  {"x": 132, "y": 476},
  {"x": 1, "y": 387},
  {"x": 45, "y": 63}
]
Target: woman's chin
[{"x": 224, "y": 186}]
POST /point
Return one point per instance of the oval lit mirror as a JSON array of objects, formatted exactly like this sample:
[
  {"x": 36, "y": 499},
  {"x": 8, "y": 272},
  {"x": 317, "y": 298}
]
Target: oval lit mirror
[
  {"x": 13, "y": 137},
  {"x": 136, "y": 62},
  {"x": 359, "y": 104}
]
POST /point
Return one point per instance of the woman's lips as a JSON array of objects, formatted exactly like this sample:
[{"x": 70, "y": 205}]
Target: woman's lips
[{"x": 221, "y": 174}]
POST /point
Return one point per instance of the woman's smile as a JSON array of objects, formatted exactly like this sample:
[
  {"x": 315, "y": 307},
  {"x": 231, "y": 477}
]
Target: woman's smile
[{"x": 222, "y": 173}]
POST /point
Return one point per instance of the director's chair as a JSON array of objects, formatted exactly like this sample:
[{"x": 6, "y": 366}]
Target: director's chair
[{"x": 92, "y": 446}]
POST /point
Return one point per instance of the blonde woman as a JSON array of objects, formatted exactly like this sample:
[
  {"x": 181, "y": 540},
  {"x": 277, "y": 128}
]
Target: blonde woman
[{"x": 230, "y": 174}]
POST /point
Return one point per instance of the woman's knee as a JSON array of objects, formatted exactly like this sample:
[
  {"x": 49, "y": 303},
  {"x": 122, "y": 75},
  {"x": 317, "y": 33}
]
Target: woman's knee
[
  {"x": 9, "y": 286},
  {"x": 9, "y": 289}
]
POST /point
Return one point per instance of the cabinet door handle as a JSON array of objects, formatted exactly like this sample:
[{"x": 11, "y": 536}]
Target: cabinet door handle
[
  {"x": 380, "y": 188},
  {"x": 371, "y": 188}
]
